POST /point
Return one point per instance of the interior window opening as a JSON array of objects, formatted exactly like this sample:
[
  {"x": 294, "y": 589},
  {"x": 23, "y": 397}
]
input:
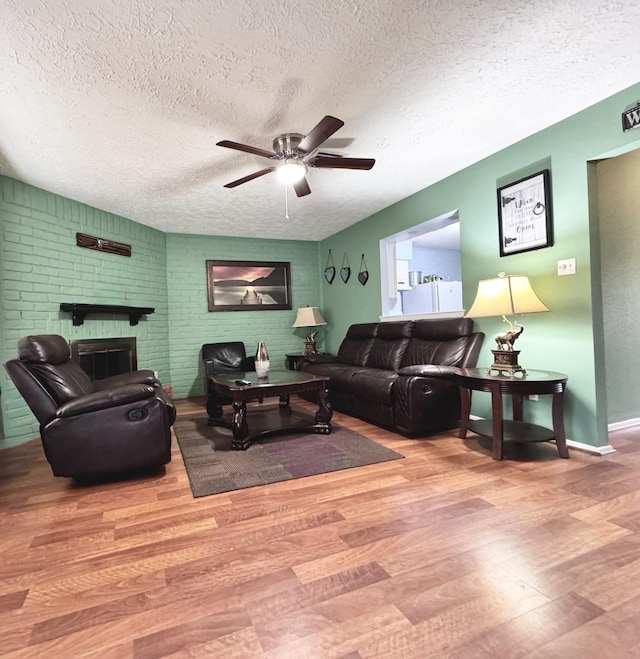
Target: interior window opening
[{"x": 421, "y": 270}]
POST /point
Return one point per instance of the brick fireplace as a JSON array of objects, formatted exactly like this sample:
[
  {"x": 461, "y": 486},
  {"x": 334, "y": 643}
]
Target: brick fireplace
[{"x": 102, "y": 358}]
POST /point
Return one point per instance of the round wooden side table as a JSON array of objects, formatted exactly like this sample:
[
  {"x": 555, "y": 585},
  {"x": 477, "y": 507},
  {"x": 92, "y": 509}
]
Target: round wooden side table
[{"x": 499, "y": 429}]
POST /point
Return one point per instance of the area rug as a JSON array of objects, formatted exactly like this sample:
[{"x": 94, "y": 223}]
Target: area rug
[{"x": 213, "y": 467}]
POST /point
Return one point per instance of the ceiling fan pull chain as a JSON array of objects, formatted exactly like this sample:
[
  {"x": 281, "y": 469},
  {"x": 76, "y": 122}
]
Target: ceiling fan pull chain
[{"x": 286, "y": 204}]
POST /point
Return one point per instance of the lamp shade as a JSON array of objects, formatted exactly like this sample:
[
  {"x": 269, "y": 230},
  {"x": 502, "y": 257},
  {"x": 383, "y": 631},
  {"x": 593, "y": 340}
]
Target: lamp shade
[
  {"x": 504, "y": 296},
  {"x": 309, "y": 317}
]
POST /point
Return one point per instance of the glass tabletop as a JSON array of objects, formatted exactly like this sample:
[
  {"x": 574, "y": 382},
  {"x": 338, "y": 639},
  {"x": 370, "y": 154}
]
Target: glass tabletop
[{"x": 276, "y": 377}]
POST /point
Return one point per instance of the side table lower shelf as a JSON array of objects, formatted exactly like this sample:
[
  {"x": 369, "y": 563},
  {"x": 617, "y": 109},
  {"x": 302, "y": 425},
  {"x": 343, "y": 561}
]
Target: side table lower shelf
[{"x": 513, "y": 431}]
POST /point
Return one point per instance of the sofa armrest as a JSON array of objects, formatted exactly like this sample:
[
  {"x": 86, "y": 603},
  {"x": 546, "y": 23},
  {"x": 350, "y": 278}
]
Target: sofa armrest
[
  {"x": 426, "y": 399},
  {"x": 320, "y": 358},
  {"x": 430, "y": 370},
  {"x": 132, "y": 377},
  {"x": 101, "y": 400},
  {"x": 208, "y": 368}
]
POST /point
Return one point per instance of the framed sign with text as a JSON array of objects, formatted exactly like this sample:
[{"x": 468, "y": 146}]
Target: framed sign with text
[{"x": 524, "y": 212}]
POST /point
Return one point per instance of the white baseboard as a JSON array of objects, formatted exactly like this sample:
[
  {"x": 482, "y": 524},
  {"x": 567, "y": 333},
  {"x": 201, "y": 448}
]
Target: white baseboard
[
  {"x": 588, "y": 448},
  {"x": 621, "y": 425}
]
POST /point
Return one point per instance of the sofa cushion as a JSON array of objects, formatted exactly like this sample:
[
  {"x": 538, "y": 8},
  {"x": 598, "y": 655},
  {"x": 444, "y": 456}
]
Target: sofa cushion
[
  {"x": 442, "y": 329},
  {"x": 389, "y": 345},
  {"x": 374, "y": 384},
  {"x": 438, "y": 342},
  {"x": 340, "y": 375},
  {"x": 448, "y": 353},
  {"x": 357, "y": 344}
]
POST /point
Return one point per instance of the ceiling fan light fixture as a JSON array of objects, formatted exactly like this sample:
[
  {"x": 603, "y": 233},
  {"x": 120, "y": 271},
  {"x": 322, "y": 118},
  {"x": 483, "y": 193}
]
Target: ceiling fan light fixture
[{"x": 292, "y": 171}]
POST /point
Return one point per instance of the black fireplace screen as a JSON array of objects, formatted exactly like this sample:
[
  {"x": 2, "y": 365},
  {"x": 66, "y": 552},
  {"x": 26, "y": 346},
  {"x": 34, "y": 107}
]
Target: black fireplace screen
[{"x": 102, "y": 358}]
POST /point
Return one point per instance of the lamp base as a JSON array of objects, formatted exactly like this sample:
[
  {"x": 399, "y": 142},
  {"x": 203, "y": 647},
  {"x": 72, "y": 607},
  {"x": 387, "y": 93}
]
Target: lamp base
[
  {"x": 310, "y": 348},
  {"x": 505, "y": 362}
]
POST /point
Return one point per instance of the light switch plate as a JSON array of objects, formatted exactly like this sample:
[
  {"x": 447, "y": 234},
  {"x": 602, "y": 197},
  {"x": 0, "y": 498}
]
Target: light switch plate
[{"x": 566, "y": 267}]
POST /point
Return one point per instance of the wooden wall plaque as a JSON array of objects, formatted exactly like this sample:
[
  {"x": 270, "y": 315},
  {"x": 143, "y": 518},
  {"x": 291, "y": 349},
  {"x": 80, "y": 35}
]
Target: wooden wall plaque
[{"x": 102, "y": 244}]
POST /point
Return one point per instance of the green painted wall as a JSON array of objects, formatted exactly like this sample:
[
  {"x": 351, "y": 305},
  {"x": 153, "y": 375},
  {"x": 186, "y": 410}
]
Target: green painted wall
[
  {"x": 191, "y": 324},
  {"x": 562, "y": 340},
  {"x": 41, "y": 266}
]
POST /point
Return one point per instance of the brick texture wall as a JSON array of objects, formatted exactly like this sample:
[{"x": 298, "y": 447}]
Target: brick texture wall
[{"x": 41, "y": 266}]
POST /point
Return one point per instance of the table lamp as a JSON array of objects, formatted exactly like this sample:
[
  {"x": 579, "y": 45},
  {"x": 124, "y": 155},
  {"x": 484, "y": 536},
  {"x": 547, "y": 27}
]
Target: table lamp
[
  {"x": 309, "y": 317},
  {"x": 502, "y": 296}
]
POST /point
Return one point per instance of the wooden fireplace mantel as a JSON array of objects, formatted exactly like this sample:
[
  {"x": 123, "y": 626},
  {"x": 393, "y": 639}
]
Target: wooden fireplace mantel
[{"x": 79, "y": 311}]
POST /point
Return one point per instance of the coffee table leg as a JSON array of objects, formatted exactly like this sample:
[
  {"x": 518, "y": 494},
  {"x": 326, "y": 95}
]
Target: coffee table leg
[
  {"x": 214, "y": 409},
  {"x": 324, "y": 413},
  {"x": 284, "y": 404},
  {"x": 240, "y": 427}
]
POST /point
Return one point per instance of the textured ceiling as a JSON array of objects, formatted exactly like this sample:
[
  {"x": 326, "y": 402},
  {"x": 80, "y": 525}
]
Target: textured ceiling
[{"x": 119, "y": 103}]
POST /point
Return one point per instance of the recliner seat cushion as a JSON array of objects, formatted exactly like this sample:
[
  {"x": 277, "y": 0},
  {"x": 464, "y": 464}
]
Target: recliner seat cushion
[
  {"x": 389, "y": 345},
  {"x": 49, "y": 357},
  {"x": 64, "y": 382}
]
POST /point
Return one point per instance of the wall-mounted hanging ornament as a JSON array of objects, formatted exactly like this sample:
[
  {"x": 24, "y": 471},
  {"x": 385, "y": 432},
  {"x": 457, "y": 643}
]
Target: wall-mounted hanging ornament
[
  {"x": 102, "y": 244},
  {"x": 330, "y": 270},
  {"x": 363, "y": 275},
  {"x": 345, "y": 271}
]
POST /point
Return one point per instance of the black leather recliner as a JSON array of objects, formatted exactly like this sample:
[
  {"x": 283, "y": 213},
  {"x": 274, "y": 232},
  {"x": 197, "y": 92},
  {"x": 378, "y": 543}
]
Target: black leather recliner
[
  {"x": 90, "y": 427},
  {"x": 223, "y": 357}
]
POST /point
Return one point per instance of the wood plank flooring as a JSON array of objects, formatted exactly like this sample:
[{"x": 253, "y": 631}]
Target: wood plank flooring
[{"x": 446, "y": 553}]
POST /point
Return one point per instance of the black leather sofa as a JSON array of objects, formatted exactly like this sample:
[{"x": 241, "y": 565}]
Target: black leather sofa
[
  {"x": 90, "y": 427},
  {"x": 399, "y": 375}
]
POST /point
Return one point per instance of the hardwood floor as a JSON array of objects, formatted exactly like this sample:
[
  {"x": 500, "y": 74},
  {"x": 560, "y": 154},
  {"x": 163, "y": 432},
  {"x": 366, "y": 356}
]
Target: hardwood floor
[{"x": 446, "y": 553}]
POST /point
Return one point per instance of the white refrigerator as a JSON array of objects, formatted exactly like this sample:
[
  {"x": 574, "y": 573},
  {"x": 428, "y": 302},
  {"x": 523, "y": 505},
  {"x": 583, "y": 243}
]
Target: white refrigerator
[{"x": 433, "y": 297}]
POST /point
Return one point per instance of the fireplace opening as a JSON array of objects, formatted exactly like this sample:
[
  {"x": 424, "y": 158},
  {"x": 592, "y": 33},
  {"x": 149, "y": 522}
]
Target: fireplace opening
[{"x": 102, "y": 358}]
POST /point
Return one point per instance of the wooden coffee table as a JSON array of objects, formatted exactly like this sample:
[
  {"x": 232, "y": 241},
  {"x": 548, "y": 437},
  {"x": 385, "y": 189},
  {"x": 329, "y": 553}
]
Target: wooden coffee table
[{"x": 279, "y": 383}]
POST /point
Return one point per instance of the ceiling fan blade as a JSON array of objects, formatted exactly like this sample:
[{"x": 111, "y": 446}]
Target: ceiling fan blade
[
  {"x": 342, "y": 163},
  {"x": 246, "y": 148},
  {"x": 319, "y": 133},
  {"x": 250, "y": 177},
  {"x": 302, "y": 187}
]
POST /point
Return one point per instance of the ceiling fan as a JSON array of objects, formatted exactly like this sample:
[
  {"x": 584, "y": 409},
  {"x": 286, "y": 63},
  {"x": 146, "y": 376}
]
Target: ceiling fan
[{"x": 295, "y": 153}]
